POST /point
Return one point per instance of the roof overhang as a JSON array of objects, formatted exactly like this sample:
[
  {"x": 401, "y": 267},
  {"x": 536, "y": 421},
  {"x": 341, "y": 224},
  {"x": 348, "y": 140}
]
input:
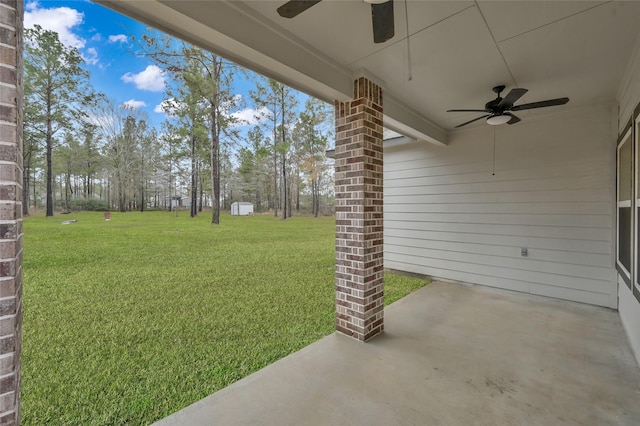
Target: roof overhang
[{"x": 444, "y": 55}]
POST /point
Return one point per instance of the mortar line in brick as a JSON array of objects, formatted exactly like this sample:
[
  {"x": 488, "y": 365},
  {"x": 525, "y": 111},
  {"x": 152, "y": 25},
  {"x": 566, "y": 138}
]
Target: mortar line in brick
[{"x": 10, "y": 86}]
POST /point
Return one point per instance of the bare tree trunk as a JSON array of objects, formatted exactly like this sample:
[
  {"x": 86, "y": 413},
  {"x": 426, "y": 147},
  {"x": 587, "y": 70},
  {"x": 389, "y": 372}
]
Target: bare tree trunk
[
  {"x": 215, "y": 170},
  {"x": 49, "y": 142},
  {"x": 67, "y": 189},
  {"x": 122, "y": 198},
  {"x": 290, "y": 200},
  {"x": 142, "y": 199},
  {"x": 143, "y": 183},
  {"x": 201, "y": 192},
  {"x": 194, "y": 178},
  {"x": 25, "y": 190},
  {"x": 298, "y": 192},
  {"x": 35, "y": 200},
  {"x": 284, "y": 162},
  {"x": 316, "y": 197},
  {"x": 284, "y": 188},
  {"x": 275, "y": 180}
]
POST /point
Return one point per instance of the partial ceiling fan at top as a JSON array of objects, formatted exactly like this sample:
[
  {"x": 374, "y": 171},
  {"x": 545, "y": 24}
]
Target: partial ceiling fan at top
[{"x": 381, "y": 15}]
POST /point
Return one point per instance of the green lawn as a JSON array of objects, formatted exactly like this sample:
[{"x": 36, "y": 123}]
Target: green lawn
[{"x": 128, "y": 320}]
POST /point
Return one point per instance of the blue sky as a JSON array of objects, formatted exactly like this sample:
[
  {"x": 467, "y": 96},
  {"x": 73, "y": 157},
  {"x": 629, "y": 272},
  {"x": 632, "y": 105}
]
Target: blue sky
[{"x": 104, "y": 38}]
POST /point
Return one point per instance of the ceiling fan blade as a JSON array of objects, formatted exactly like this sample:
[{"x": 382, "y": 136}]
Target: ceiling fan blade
[
  {"x": 514, "y": 119},
  {"x": 541, "y": 104},
  {"x": 467, "y": 110},
  {"x": 383, "y": 21},
  {"x": 513, "y": 96},
  {"x": 471, "y": 121},
  {"x": 293, "y": 8}
]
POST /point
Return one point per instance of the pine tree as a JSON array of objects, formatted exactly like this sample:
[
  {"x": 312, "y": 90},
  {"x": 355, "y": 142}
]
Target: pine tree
[{"x": 55, "y": 88}]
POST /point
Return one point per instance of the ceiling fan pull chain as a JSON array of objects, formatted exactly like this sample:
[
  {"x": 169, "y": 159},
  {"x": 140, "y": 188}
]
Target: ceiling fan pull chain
[
  {"x": 493, "y": 172},
  {"x": 406, "y": 17}
]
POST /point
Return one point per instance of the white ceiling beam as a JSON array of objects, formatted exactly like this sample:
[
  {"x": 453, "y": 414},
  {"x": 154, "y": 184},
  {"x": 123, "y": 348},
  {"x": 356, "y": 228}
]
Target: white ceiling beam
[{"x": 401, "y": 119}]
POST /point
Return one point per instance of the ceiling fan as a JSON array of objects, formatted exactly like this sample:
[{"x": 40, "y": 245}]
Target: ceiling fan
[
  {"x": 498, "y": 110},
  {"x": 381, "y": 15}
]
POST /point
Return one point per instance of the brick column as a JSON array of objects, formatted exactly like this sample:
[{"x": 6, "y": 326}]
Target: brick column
[
  {"x": 11, "y": 15},
  {"x": 358, "y": 188}
]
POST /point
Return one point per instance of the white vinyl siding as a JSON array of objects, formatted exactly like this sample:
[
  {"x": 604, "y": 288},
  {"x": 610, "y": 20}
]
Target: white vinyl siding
[{"x": 447, "y": 216}]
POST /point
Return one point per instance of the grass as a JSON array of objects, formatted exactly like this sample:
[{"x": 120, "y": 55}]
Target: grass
[{"x": 127, "y": 321}]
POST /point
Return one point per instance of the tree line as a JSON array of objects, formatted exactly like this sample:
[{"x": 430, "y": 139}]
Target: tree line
[{"x": 83, "y": 150}]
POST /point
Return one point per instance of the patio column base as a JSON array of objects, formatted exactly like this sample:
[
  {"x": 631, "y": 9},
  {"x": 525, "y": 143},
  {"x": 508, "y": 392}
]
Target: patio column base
[{"x": 359, "y": 227}]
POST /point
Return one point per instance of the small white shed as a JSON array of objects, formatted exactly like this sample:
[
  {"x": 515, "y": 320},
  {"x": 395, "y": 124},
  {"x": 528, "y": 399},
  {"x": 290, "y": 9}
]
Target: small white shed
[{"x": 241, "y": 209}]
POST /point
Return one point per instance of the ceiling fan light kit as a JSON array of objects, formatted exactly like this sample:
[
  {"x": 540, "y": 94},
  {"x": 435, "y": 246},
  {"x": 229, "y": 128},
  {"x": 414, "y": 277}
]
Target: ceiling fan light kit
[
  {"x": 497, "y": 120},
  {"x": 499, "y": 110}
]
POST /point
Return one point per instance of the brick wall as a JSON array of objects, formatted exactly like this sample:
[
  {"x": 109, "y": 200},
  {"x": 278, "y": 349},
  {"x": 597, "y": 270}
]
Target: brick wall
[
  {"x": 11, "y": 12},
  {"x": 359, "y": 229}
]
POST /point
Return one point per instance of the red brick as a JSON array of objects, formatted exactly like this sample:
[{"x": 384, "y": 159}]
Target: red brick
[
  {"x": 359, "y": 283},
  {"x": 11, "y": 67},
  {"x": 7, "y": 56}
]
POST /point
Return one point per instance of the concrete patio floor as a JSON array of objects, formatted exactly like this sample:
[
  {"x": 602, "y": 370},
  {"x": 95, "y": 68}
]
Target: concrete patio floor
[{"x": 450, "y": 355}]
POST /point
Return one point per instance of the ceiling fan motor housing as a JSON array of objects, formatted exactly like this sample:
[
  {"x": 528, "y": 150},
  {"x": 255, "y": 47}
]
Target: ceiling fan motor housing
[
  {"x": 499, "y": 89},
  {"x": 493, "y": 105}
]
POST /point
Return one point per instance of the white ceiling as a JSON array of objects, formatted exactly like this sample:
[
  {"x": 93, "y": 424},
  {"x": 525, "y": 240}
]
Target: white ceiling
[{"x": 453, "y": 53}]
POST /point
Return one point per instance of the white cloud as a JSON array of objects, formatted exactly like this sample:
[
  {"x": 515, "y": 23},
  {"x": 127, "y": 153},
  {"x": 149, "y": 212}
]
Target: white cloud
[
  {"x": 150, "y": 79},
  {"x": 96, "y": 37},
  {"x": 118, "y": 38},
  {"x": 250, "y": 116},
  {"x": 133, "y": 104},
  {"x": 104, "y": 121},
  {"x": 161, "y": 107},
  {"x": 167, "y": 106},
  {"x": 90, "y": 56},
  {"x": 59, "y": 19}
]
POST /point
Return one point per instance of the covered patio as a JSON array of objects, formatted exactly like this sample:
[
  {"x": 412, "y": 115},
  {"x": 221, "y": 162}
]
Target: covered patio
[
  {"x": 450, "y": 355},
  {"x": 544, "y": 223}
]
